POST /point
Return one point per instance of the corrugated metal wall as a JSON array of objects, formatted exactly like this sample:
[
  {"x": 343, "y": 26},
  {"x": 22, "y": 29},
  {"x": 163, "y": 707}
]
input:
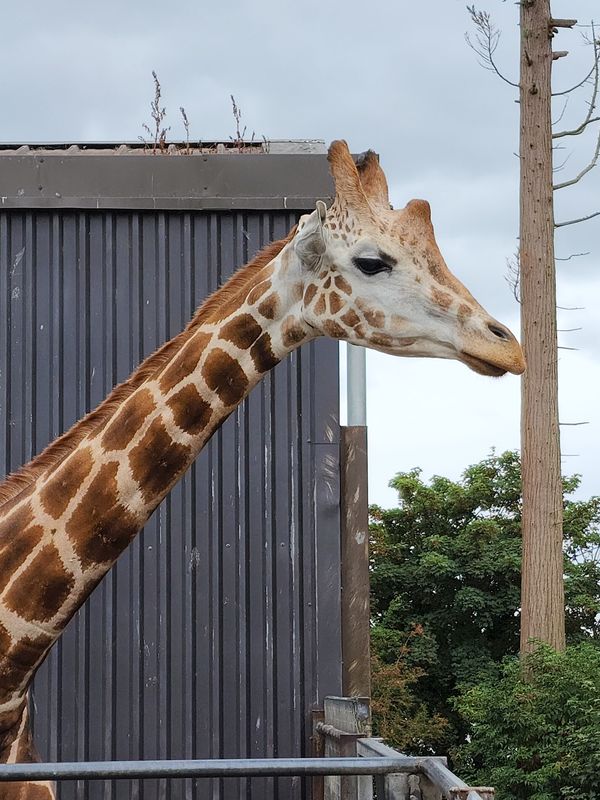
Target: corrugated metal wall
[{"x": 220, "y": 627}]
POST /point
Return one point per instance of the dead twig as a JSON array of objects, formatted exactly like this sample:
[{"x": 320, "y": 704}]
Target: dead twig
[
  {"x": 513, "y": 275},
  {"x": 575, "y": 221},
  {"x": 593, "y": 71},
  {"x": 573, "y": 255},
  {"x": 486, "y": 41}
]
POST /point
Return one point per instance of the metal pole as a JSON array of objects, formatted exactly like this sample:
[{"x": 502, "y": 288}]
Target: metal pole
[
  {"x": 205, "y": 768},
  {"x": 356, "y": 385}
]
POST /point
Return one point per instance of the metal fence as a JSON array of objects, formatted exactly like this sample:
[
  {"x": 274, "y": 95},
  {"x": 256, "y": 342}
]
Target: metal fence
[{"x": 219, "y": 629}]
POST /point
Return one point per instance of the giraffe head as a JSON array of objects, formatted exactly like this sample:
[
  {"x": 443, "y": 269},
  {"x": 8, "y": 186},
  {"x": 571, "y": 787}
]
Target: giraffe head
[{"x": 375, "y": 277}]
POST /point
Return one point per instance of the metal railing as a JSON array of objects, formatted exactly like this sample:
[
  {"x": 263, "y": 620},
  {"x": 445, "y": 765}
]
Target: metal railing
[
  {"x": 207, "y": 768},
  {"x": 343, "y": 729},
  {"x": 396, "y": 786},
  {"x": 349, "y": 765},
  {"x": 390, "y": 769}
]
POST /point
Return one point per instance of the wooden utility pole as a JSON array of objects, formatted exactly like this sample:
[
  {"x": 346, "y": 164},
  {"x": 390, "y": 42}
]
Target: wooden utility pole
[{"x": 542, "y": 600}]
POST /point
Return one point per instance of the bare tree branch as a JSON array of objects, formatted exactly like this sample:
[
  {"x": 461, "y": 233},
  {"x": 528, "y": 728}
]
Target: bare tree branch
[
  {"x": 579, "y": 129},
  {"x": 561, "y": 166},
  {"x": 562, "y": 113},
  {"x": 576, "y": 86},
  {"x": 568, "y": 330},
  {"x": 575, "y": 221},
  {"x": 573, "y": 423},
  {"x": 595, "y": 70},
  {"x": 584, "y": 171},
  {"x": 486, "y": 41},
  {"x": 513, "y": 276},
  {"x": 573, "y": 255}
]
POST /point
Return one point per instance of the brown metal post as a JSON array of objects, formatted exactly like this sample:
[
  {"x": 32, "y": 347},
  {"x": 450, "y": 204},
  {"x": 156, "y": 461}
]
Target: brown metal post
[{"x": 356, "y": 670}]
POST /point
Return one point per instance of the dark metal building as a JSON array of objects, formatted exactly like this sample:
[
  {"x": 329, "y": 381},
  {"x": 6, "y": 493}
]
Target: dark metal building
[{"x": 219, "y": 629}]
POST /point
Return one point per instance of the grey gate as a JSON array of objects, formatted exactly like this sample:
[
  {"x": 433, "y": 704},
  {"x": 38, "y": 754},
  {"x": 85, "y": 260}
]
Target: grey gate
[{"x": 219, "y": 629}]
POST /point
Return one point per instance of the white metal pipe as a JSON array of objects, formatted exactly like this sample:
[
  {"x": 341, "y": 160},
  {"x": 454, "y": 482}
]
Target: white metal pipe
[{"x": 356, "y": 385}]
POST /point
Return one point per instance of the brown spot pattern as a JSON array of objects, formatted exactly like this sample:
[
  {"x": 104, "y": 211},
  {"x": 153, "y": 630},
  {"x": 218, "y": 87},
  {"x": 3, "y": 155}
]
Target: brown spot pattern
[
  {"x": 440, "y": 298},
  {"x": 15, "y": 522},
  {"x": 310, "y": 292},
  {"x": 320, "y": 305},
  {"x": 373, "y": 317},
  {"x": 342, "y": 284},
  {"x": 185, "y": 362},
  {"x": 14, "y": 553},
  {"x": 24, "y": 791},
  {"x": 63, "y": 485},
  {"x": 350, "y": 318},
  {"x": 258, "y": 291},
  {"x": 262, "y": 354},
  {"x": 382, "y": 340},
  {"x": 17, "y": 661},
  {"x": 224, "y": 375},
  {"x": 157, "y": 461},
  {"x": 332, "y": 328},
  {"x": 268, "y": 307},
  {"x": 464, "y": 312},
  {"x": 242, "y": 331},
  {"x": 190, "y": 412},
  {"x": 335, "y": 302},
  {"x": 297, "y": 290},
  {"x": 128, "y": 420},
  {"x": 42, "y": 587},
  {"x": 5, "y": 639},
  {"x": 292, "y": 332},
  {"x": 438, "y": 270},
  {"x": 100, "y": 527}
]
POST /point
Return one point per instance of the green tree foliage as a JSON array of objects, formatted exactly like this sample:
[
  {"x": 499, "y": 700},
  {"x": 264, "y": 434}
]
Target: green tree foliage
[
  {"x": 446, "y": 562},
  {"x": 403, "y": 718},
  {"x": 535, "y": 732}
]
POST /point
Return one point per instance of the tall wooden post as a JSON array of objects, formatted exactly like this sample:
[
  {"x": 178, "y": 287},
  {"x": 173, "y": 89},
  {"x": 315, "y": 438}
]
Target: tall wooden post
[
  {"x": 356, "y": 629},
  {"x": 542, "y": 602}
]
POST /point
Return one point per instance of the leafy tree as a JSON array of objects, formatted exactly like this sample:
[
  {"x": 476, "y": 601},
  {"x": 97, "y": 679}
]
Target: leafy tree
[
  {"x": 535, "y": 734},
  {"x": 403, "y": 718},
  {"x": 447, "y": 562}
]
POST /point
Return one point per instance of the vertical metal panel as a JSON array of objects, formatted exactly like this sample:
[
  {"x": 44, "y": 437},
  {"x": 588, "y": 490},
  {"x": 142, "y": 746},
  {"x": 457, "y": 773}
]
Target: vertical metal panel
[{"x": 219, "y": 628}]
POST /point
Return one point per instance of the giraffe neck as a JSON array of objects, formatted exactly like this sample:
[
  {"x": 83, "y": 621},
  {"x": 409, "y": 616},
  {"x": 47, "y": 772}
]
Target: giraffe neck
[
  {"x": 17, "y": 747},
  {"x": 65, "y": 528}
]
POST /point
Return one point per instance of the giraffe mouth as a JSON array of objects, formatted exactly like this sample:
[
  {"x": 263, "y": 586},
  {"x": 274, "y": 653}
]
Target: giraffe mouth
[{"x": 482, "y": 367}]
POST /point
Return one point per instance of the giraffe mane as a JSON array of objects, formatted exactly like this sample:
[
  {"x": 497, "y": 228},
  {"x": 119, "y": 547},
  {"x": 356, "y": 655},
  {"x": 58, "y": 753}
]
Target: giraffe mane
[{"x": 20, "y": 480}]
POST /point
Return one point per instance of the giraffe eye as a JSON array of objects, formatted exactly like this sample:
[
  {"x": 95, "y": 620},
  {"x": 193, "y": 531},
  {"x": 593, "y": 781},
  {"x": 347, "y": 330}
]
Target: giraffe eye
[{"x": 371, "y": 266}]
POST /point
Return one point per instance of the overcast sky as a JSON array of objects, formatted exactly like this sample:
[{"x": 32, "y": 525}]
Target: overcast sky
[{"x": 394, "y": 76}]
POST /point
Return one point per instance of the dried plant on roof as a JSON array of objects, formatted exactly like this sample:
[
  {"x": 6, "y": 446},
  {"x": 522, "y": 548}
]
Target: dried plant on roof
[{"x": 158, "y": 134}]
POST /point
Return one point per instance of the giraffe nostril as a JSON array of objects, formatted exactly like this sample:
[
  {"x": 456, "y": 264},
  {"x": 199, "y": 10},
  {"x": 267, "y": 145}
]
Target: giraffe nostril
[{"x": 499, "y": 331}]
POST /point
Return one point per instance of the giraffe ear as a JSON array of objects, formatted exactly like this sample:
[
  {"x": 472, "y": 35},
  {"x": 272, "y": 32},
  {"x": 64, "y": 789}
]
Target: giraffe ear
[{"x": 310, "y": 242}]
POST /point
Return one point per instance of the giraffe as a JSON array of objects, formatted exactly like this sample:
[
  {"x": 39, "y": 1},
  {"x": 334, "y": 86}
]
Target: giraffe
[{"x": 358, "y": 271}]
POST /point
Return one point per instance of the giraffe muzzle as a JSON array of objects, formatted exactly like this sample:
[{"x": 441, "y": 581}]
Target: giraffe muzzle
[{"x": 495, "y": 352}]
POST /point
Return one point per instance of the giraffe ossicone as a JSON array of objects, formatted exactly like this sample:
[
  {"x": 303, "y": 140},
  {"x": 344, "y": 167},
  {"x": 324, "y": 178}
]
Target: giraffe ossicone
[{"x": 357, "y": 271}]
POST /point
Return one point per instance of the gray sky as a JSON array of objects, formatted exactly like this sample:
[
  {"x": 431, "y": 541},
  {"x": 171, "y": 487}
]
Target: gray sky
[{"x": 396, "y": 77}]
